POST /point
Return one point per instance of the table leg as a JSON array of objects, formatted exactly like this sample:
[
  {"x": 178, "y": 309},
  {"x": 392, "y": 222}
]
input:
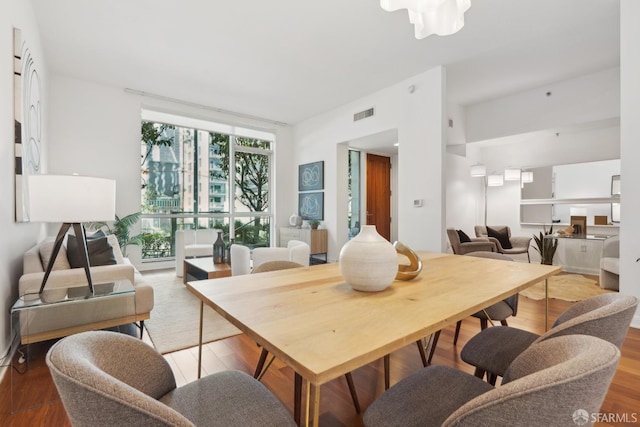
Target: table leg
[
  {"x": 184, "y": 272},
  {"x": 546, "y": 304},
  {"x": 297, "y": 397},
  {"x": 488, "y": 317},
  {"x": 308, "y": 405},
  {"x": 387, "y": 366},
  {"x": 316, "y": 405},
  {"x": 200, "y": 338}
]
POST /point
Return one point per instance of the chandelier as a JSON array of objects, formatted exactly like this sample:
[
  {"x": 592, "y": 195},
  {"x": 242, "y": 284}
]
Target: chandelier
[{"x": 441, "y": 17}]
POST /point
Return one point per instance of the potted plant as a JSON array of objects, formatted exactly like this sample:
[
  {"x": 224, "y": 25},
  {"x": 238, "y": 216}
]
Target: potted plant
[
  {"x": 546, "y": 247},
  {"x": 121, "y": 229},
  {"x": 314, "y": 223}
]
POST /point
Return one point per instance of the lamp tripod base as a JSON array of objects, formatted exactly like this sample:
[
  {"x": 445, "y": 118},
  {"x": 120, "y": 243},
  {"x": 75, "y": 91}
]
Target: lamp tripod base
[{"x": 78, "y": 228}]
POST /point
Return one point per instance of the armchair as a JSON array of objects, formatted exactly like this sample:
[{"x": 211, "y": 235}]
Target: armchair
[
  {"x": 112, "y": 379},
  {"x": 193, "y": 243},
  {"x": 610, "y": 264},
  {"x": 605, "y": 316},
  {"x": 505, "y": 243},
  {"x": 475, "y": 244},
  {"x": 542, "y": 387},
  {"x": 243, "y": 259}
]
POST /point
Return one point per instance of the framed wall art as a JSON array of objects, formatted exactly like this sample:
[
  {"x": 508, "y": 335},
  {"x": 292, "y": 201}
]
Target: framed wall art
[
  {"x": 311, "y": 176},
  {"x": 311, "y": 205},
  {"x": 27, "y": 122}
]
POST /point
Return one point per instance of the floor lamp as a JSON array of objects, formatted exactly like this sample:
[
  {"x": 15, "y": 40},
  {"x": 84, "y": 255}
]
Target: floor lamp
[
  {"x": 493, "y": 180},
  {"x": 480, "y": 171},
  {"x": 70, "y": 200}
]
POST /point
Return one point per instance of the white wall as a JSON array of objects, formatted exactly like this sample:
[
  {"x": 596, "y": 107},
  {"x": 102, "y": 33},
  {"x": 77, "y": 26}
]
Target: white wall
[
  {"x": 419, "y": 119},
  {"x": 630, "y": 150},
  {"x": 584, "y": 99},
  {"x": 599, "y": 140},
  {"x": 16, "y": 237},
  {"x": 95, "y": 130}
]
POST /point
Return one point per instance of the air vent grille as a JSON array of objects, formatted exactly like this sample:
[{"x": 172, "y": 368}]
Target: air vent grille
[{"x": 363, "y": 114}]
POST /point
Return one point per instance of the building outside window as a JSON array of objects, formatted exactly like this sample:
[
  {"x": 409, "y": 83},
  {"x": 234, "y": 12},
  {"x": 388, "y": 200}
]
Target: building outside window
[{"x": 198, "y": 174}]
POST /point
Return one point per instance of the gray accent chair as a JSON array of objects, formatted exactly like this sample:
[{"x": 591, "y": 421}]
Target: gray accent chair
[
  {"x": 610, "y": 264},
  {"x": 112, "y": 379},
  {"x": 606, "y": 316},
  {"x": 476, "y": 244},
  {"x": 520, "y": 244},
  {"x": 544, "y": 386}
]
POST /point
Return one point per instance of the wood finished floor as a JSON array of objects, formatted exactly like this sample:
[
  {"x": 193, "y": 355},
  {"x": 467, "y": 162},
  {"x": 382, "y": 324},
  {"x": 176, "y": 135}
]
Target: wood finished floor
[{"x": 336, "y": 407}]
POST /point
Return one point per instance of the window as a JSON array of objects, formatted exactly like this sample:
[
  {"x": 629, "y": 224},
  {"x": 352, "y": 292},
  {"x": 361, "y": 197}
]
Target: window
[{"x": 198, "y": 174}]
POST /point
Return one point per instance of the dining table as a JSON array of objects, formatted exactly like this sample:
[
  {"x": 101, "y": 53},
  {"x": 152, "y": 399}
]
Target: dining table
[{"x": 317, "y": 324}]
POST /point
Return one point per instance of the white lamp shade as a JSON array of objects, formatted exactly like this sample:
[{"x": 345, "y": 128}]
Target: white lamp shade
[
  {"x": 512, "y": 174},
  {"x": 478, "y": 170},
  {"x": 495, "y": 180},
  {"x": 71, "y": 198},
  {"x": 527, "y": 176}
]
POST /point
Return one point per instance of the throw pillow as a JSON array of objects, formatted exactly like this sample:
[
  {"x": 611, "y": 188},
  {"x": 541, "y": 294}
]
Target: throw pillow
[
  {"x": 464, "y": 238},
  {"x": 61, "y": 262},
  {"x": 98, "y": 247},
  {"x": 502, "y": 237}
]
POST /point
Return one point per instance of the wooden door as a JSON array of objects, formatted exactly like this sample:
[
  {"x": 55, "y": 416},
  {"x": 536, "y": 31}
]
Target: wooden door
[{"x": 379, "y": 194}]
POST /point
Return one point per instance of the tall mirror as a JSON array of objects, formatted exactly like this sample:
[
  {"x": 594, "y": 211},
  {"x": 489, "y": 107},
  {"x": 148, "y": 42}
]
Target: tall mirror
[{"x": 559, "y": 191}]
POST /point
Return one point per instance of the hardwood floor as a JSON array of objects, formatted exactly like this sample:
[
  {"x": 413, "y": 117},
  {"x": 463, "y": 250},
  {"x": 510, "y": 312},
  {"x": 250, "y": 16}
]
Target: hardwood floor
[{"x": 337, "y": 409}]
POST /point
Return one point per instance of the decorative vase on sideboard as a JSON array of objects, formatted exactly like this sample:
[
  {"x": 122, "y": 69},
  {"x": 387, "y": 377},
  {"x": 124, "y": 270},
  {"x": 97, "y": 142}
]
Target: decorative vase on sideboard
[
  {"x": 295, "y": 220},
  {"x": 368, "y": 262},
  {"x": 218, "y": 250}
]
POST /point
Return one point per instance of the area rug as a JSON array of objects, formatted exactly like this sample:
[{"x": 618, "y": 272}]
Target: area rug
[
  {"x": 175, "y": 318},
  {"x": 568, "y": 287}
]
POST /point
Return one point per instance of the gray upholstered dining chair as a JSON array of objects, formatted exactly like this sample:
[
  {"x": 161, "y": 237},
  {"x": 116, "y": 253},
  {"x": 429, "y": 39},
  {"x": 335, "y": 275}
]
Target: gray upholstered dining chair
[
  {"x": 112, "y": 379},
  {"x": 552, "y": 383},
  {"x": 263, "y": 268},
  {"x": 606, "y": 316},
  {"x": 275, "y": 266},
  {"x": 499, "y": 311},
  {"x": 260, "y": 367}
]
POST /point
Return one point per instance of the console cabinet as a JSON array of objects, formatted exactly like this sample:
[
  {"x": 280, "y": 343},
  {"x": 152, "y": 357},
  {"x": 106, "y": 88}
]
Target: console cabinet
[{"x": 316, "y": 239}]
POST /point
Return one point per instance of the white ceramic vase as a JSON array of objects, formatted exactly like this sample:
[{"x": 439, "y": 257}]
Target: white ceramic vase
[
  {"x": 295, "y": 220},
  {"x": 368, "y": 262}
]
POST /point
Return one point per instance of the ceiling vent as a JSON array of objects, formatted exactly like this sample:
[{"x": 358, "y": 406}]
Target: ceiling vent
[{"x": 363, "y": 114}]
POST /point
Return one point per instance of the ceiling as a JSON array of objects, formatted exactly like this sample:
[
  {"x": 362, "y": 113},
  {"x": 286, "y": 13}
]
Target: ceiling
[{"x": 288, "y": 60}]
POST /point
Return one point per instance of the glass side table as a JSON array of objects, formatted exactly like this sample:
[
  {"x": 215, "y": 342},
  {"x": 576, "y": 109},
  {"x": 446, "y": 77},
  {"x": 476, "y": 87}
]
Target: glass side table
[{"x": 57, "y": 312}]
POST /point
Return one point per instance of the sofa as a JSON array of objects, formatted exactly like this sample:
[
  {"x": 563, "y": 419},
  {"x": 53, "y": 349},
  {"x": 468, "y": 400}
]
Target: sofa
[
  {"x": 59, "y": 320},
  {"x": 193, "y": 243},
  {"x": 610, "y": 264}
]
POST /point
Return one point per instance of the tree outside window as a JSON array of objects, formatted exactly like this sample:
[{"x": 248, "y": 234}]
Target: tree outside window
[{"x": 222, "y": 180}]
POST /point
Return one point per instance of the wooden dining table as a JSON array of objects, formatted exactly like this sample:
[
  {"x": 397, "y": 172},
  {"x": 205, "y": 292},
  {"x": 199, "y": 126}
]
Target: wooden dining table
[{"x": 322, "y": 328}]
